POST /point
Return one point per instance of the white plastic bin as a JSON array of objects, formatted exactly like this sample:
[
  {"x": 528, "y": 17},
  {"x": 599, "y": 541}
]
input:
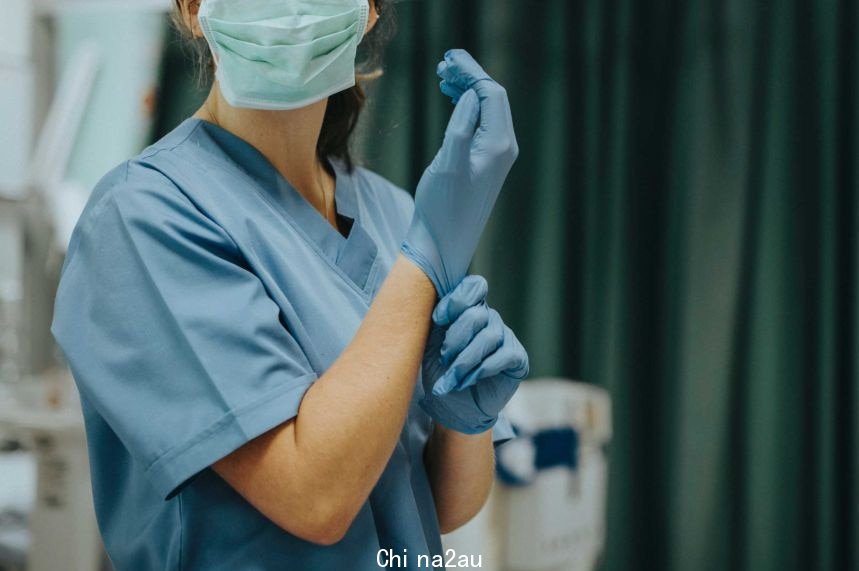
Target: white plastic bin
[{"x": 550, "y": 513}]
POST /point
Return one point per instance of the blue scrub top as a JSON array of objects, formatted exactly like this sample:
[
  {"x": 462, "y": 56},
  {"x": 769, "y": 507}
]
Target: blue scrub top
[{"x": 201, "y": 297}]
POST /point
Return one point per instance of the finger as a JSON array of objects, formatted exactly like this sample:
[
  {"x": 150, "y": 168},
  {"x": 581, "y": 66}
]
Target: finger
[
  {"x": 442, "y": 386},
  {"x": 452, "y": 91},
  {"x": 471, "y": 291},
  {"x": 447, "y": 88},
  {"x": 508, "y": 352},
  {"x": 463, "y": 72},
  {"x": 461, "y": 129},
  {"x": 510, "y": 359},
  {"x": 463, "y": 121},
  {"x": 463, "y": 331},
  {"x": 461, "y": 69},
  {"x": 484, "y": 344}
]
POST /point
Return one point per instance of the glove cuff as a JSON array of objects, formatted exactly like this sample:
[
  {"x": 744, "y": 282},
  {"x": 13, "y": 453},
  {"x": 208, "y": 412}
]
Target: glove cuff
[
  {"x": 419, "y": 247},
  {"x": 443, "y": 415}
]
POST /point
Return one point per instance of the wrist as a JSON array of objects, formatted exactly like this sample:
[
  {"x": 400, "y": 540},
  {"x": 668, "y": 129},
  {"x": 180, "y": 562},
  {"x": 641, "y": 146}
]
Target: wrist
[
  {"x": 420, "y": 247},
  {"x": 416, "y": 274},
  {"x": 445, "y": 435},
  {"x": 472, "y": 422}
]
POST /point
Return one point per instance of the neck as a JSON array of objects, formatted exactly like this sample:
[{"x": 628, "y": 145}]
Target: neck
[{"x": 288, "y": 139}]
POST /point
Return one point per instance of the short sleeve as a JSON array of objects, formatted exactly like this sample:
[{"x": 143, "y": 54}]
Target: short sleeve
[{"x": 170, "y": 337}]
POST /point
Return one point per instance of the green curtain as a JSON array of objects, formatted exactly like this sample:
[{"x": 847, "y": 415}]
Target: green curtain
[{"x": 681, "y": 228}]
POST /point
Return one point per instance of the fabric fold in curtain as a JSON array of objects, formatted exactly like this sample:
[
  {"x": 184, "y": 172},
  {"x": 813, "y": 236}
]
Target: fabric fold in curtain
[{"x": 681, "y": 228}]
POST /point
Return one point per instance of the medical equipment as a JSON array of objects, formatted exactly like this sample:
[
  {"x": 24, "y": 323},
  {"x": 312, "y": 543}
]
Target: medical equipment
[
  {"x": 40, "y": 410},
  {"x": 17, "y": 125},
  {"x": 458, "y": 191},
  {"x": 283, "y": 55},
  {"x": 40, "y": 199},
  {"x": 63, "y": 533},
  {"x": 547, "y": 512},
  {"x": 10, "y": 309},
  {"x": 473, "y": 363},
  {"x": 10, "y": 297},
  {"x": 18, "y": 100},
  {"x": 17, "y": 496}
]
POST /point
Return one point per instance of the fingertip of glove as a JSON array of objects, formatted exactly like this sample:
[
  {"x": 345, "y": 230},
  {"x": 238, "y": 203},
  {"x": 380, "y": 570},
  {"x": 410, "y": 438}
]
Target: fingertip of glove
[
  {"x": 495, "y": 320},
  {"x": 521, "y": 370},
  {"x": 439, "y": 389},
  {"x": 440, "y": 313},
  {"x": 444, "y": 352},
  {"x": 442, "y": 358},
  {"x": 452, "y": 91},
  {"x": 478, "y": 287},
  {"x": 446, "y": 384},
  {"x": 453, "y": 54}
]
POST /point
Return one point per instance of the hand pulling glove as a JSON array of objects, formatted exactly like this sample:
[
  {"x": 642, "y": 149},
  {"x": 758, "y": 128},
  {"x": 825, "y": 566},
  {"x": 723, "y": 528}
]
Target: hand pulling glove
[{"x": 473, "y": 363}]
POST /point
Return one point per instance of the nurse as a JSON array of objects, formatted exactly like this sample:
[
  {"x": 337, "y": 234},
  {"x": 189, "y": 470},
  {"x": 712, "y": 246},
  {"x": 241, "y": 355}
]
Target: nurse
[{"x": 281, "y": 361}]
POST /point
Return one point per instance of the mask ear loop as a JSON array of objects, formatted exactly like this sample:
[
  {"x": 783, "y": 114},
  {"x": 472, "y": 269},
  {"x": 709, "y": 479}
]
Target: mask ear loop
[
  {"x": 203, "y": 19},
  {"x": 364, "y": 20}
]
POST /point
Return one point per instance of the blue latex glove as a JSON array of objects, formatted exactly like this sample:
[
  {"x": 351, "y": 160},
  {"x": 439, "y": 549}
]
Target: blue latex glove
[
  {"x": 459, "y": 189},
  {"x": 473, "y": 363}
]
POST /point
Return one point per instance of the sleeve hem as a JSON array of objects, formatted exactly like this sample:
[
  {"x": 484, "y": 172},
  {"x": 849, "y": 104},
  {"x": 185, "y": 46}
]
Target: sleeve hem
[{"x": 179, "y": 464}]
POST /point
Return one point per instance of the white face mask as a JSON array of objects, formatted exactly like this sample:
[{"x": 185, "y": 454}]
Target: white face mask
[{"x": 283, "y": 54}]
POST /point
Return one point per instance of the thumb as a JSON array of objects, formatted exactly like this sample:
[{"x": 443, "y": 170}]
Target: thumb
[{"x": 461, "y": 128}]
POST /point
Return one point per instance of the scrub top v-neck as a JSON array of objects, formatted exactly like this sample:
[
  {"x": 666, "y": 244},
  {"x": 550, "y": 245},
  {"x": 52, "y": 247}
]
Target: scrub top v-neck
[{"x": 201, "y": 297}]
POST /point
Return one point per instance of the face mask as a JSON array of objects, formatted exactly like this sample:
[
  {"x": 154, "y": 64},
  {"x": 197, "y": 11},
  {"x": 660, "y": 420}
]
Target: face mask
[{"x": 283, "y": 54}]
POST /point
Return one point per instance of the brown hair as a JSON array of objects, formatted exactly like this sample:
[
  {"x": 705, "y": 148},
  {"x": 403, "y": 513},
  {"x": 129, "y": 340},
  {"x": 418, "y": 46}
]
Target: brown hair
[{"x": 344, "y": 108}]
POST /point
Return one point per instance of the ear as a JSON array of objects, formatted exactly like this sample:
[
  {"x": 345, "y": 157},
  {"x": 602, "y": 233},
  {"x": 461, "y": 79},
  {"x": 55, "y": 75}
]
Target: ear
[
  {"x": 374, "y": 17},
  {"x": 190, "y": 9}
]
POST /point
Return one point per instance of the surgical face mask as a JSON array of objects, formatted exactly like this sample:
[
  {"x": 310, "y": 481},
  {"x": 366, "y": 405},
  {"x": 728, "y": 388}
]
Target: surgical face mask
[{"x": 283, "y": 54}]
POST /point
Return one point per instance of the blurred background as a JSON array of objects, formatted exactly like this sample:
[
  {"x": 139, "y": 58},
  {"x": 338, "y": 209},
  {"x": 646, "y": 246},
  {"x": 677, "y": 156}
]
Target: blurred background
[{"x": 680, "y": 233}]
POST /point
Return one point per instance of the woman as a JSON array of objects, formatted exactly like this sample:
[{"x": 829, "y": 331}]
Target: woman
[{"x": 281, "y": 361}]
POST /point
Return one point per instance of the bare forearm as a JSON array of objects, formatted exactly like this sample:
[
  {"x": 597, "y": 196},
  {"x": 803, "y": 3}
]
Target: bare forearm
[
  {"x": 461, "y": 469},
  {"x": 312, "y": 475},
  {"x": 350, "y": 420}
]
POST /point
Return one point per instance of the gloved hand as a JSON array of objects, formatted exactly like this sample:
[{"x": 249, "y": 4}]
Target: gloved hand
[
  {"x": 458, "y": 190},
  {"x": 473, "y": 363}
]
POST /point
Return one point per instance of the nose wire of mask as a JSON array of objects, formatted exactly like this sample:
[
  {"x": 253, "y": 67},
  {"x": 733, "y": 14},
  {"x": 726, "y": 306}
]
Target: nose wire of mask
[{"x": 286, "y": 54}]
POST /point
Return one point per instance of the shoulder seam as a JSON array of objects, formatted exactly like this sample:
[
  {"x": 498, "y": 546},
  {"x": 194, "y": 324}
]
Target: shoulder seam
[
  {"x": 110, "y": 195},
  {"x": 190, "y": 201},
  {"x": 156, "y": 150}
]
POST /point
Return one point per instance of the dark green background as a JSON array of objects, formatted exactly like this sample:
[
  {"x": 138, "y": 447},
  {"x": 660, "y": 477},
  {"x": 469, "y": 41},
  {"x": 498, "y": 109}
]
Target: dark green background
[{"x": 681, "y": 228}]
